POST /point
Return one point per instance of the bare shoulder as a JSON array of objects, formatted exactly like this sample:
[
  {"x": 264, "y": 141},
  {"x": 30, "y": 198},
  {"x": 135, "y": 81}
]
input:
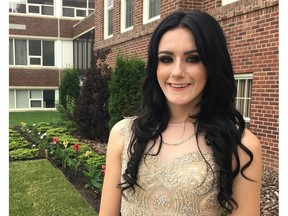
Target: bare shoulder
[{"x": 251, "y": 141}]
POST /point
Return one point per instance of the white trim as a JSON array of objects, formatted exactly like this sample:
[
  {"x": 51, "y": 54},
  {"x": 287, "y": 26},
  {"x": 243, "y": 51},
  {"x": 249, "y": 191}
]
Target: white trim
[
  {"x": 146, "y": 13},
  {"x": 106, "y": 26},
  {"x": 33, "y": 87},
  {"x": 123, "y": 17},
  {"x": 225, "y": 2},
  {"x": 244, "y": 76}
]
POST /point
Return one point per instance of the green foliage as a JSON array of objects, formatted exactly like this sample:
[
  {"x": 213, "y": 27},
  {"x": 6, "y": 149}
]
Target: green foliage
[
  {"x": 69, "y": 90},
  {"x": 91, "y": 108},
  {"x": 125, "y": 88},
  {"x": 16, "y": 141},
  {"x": 97, "y": 161},
  {"x": 94, "y": 178},
  {"x": 24, "y": 153}
]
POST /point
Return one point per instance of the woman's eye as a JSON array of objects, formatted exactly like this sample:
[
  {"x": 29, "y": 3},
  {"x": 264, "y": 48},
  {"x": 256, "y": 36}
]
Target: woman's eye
[
  {"x": 165, "y": 59},
  {"x": 194, "y": 59}
]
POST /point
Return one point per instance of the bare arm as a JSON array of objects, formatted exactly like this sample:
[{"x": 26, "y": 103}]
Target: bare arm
[
  {"x": 245, "y": 192},
  {"x": 111, "y": 194}
]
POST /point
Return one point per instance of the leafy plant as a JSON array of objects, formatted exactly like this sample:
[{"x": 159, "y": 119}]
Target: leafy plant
[
  {"x": 125, "y": 88},
  {"x": 94, "y": 178},
  {"x": 24, "y": 153},
  {"x": 91, "y": 107}
]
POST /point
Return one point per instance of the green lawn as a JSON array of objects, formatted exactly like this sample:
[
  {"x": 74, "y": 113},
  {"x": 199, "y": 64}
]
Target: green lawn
[
  {"x": 32, "y": 117},
  {"x": 37, "y": 188}
]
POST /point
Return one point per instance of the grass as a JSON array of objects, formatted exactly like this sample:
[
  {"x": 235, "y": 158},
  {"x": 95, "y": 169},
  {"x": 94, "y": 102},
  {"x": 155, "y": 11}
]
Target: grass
[
  {"x": 38, "y": 188},
  {"x": 32, "y": 117}
]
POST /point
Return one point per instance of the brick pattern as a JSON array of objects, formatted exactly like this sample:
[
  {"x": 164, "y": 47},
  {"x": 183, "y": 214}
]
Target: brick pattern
[
  {"x": 85, "y": 24},
  {"x": 42, "y": 27},
  {"x": 251, "y": 28},
  {"x": 35, "y": 77}
]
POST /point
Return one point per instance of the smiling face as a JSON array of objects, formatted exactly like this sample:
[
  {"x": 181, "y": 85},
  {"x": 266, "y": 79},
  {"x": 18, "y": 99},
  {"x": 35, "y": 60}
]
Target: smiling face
[{"x": 180, "y": 72}]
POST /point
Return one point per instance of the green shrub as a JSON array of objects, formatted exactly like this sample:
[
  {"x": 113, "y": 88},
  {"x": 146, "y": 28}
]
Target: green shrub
[
  {"x": 125, "y": 88},
  {"x": 69, "y": 90},
  {"x": 24, "y": 153},
  {"x": 96, "y": 161},
  {"x": 91, "y": 108}
]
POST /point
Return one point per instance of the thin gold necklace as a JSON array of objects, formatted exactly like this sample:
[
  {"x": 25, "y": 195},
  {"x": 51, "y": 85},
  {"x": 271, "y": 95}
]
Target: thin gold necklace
[{"x": 180, "y": 142}]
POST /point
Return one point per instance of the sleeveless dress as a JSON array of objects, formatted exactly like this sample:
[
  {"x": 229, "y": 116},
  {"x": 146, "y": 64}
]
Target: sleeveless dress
[{"x": 186, "y": 186}]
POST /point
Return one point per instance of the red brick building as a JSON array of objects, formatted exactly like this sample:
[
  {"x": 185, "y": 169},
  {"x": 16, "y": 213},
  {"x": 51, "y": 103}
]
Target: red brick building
[
  {"x": 42, "y": 38},
  {"x": 45, "y": 38},
  {"x": 251, "y": 28}
]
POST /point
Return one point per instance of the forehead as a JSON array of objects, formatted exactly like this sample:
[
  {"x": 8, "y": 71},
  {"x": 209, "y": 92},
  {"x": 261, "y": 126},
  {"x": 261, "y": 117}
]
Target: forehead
[{"x": 178, "y": 38}]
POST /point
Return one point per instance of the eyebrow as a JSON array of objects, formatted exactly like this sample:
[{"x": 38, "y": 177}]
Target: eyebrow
[{"x": 171, "y": 53}]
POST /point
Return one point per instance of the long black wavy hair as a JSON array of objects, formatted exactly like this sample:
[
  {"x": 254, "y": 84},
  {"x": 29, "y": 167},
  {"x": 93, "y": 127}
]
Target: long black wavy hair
[{"x": 218, "y": 118}]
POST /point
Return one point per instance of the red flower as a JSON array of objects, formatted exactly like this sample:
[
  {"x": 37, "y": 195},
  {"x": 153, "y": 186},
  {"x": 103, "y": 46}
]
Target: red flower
[
  {"x": 103, "y": 169},
  {"x": 76, "y": 147},
  {"x": 55, "y": 139}
]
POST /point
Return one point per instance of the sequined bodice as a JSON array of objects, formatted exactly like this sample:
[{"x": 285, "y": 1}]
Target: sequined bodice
[{"x": 186, "y": 186}]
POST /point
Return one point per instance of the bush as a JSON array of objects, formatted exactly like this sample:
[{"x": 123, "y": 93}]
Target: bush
[
  {"x": 125, "y": 88},
  {"x": 69, "y": 90},
  {"x": 91, "y": 108}
]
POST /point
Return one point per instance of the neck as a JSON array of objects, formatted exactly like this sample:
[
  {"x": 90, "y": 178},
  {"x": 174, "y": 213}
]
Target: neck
[{"x": 180, "y": 114}]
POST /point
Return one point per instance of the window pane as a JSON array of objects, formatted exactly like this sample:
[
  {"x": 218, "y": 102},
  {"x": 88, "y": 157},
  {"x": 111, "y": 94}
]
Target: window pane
[
  {"x": 49, "y": 99},
  {"x": 109, "y": 3},
  {"x": 154, "y": 8},
  {"x": 35, "y": 47},
  {"x": 110, "y": 22},
  {"x": 80, "y": 13},
  {"x": 35, "y": 61},
  {"x": 11, "y": 99},
  {"x": 34, "y": 9},
  {"x": 68, "y": 12},
  {"x": 48, "y": 53},
  {"x": 46, "y": 2},
  {"x": 129, "y": 13},
  {"x": 35, "y": 94},
  {"x": 20, "y": 52},
  {"x": 22, "y": 99},
  {"x": 11, "y": 48},
  {"x": 75, "y": 61},
  {"x": 47, "y": 10},
  {"x": 91, "y": 4},
  {"x": 80, "y": 54},
  {"x": 21, "y": 8},
  {"x": 36, "y": 103},
  {"x": 75, "y": 3}
]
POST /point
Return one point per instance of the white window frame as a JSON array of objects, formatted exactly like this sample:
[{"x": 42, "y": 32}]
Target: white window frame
[
  {"x": 246, "y": 77},
  {"x": 146, "y": 12},
  {"x": 14, "y": 6},
  {"x": 123, "y": 17},
  {"x": 29, "y": 99},
  {"x": 225, "y": 2},
  {"x": 32, "y": 56},
  {"x": 107, "y": 8}
]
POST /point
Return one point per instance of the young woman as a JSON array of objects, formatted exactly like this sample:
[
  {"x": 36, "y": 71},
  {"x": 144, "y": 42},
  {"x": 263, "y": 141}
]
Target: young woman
[{"x": 187, "y": 151}]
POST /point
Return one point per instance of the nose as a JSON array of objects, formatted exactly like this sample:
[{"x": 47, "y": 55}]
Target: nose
[{"x": 178, "y": 69}]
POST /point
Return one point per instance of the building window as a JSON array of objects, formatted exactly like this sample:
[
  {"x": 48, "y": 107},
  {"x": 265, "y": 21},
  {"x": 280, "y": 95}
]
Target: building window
[
  {"x": 82, "y": 51},
  {"x": 77, "y": 8},
  {"x": 31, "y": 52},
  {"x": 38, "y": 7},
  {"x": 243, "y": 98},
  {"x": 151, "y": 10},
  {"x": 126, "y": 15},
  {"x": 108, "y": 18},
  {"x": 29, "y": 99},
  {"x": 225, "y": 2}
]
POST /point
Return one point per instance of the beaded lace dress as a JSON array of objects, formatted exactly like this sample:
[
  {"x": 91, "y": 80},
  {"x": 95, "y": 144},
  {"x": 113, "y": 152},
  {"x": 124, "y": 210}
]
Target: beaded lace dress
[{"x": 184, "y": 186}]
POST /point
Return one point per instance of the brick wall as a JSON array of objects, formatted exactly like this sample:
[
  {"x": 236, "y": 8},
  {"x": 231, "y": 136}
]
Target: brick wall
[
  {"x": 42, "y": 27},
  {"x": 84, "y": 25},
  {"x": 251, "y": 28},
  {"x": 35, "y": 77}
]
